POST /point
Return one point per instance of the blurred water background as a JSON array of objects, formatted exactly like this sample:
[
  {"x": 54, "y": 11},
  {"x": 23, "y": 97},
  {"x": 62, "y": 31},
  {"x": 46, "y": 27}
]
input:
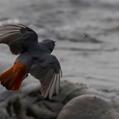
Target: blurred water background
[{"x": 87, "y": 35}]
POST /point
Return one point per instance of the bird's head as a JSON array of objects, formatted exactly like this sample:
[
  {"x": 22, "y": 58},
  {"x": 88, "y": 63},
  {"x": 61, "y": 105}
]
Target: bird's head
[
  {"x": 50, "y": 44},
  {"x": 28, "y": 32}
]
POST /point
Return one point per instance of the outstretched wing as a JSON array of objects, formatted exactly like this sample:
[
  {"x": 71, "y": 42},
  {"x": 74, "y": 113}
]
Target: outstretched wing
[
  {"x": 49, "y": 73},
  {"x": 17, "y": 37}
]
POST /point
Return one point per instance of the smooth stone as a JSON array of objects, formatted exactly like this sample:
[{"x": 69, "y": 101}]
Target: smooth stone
[
  {"x": 87, "y": 107},
  {"x": 70, "y": 90},
  {"x": 29, "y": 85}
]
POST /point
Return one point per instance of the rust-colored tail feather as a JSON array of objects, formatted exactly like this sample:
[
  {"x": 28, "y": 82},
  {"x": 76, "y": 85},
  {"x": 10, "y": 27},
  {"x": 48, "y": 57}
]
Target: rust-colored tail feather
[{"x": 13, "y": 77}]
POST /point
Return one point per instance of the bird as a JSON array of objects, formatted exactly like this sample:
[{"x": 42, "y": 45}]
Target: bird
[{"x": 33, "y": 57}]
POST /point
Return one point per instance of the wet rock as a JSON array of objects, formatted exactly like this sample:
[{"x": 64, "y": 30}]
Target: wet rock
[
  {"x": 29, "y": 104},
  {"x": 4, "y": 114},
  {"x": 87, "y": 107},
  {"x": 40, "y": 112},
  {"x": 70, "y": 90}
]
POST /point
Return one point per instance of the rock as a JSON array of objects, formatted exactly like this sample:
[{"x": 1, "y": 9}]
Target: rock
[
  {"x": 87, "y": 107},
  {"x": 70, "y": 90},
  {"x": 29, "y": 104},
  {"x": 30, "y": 85}
]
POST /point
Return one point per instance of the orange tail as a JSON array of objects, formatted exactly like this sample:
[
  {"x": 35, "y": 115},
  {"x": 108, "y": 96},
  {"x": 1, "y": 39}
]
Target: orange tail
[{"x": 12, "y": 78}]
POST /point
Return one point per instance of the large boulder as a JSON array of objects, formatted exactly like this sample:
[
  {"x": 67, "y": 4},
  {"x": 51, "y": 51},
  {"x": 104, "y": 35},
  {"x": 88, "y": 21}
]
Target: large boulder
[{"x": 87, "y": 107}]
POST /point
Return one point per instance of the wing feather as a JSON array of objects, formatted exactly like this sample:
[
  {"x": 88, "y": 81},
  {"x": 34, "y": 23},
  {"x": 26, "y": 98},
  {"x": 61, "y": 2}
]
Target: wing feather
[
  {"x": 47, "y": 83},
  {"x": 57, "y": 87},
  {"x": 49, "y": 74},
  {"x": 12, "y": 34},
  {"x": 52, "y": 87}
]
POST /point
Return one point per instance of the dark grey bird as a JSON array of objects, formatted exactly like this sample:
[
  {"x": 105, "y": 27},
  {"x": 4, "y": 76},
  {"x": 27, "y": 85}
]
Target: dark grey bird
[{"x": 33, "y": 57}]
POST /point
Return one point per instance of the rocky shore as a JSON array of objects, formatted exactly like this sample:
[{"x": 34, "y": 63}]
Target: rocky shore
[{"x": 75, "y": 101}]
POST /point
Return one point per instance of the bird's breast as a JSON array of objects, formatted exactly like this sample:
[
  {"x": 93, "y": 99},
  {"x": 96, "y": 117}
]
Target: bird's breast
[{"x": 26, "y": 59}]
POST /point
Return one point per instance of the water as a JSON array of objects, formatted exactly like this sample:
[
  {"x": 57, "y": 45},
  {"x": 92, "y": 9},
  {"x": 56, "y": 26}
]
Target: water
[{"x": 86, "y": 32}]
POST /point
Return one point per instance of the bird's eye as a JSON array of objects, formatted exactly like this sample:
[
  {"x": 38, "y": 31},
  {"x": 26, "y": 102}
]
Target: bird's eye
[{"x": 35, "y": 58}]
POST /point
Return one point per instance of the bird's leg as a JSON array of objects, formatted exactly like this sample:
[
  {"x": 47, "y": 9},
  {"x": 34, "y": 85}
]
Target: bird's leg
[{"x": 13, "y": 77}]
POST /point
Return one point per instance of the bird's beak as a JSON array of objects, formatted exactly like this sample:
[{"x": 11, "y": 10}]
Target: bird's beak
[{"x": 13, "y": 77}]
